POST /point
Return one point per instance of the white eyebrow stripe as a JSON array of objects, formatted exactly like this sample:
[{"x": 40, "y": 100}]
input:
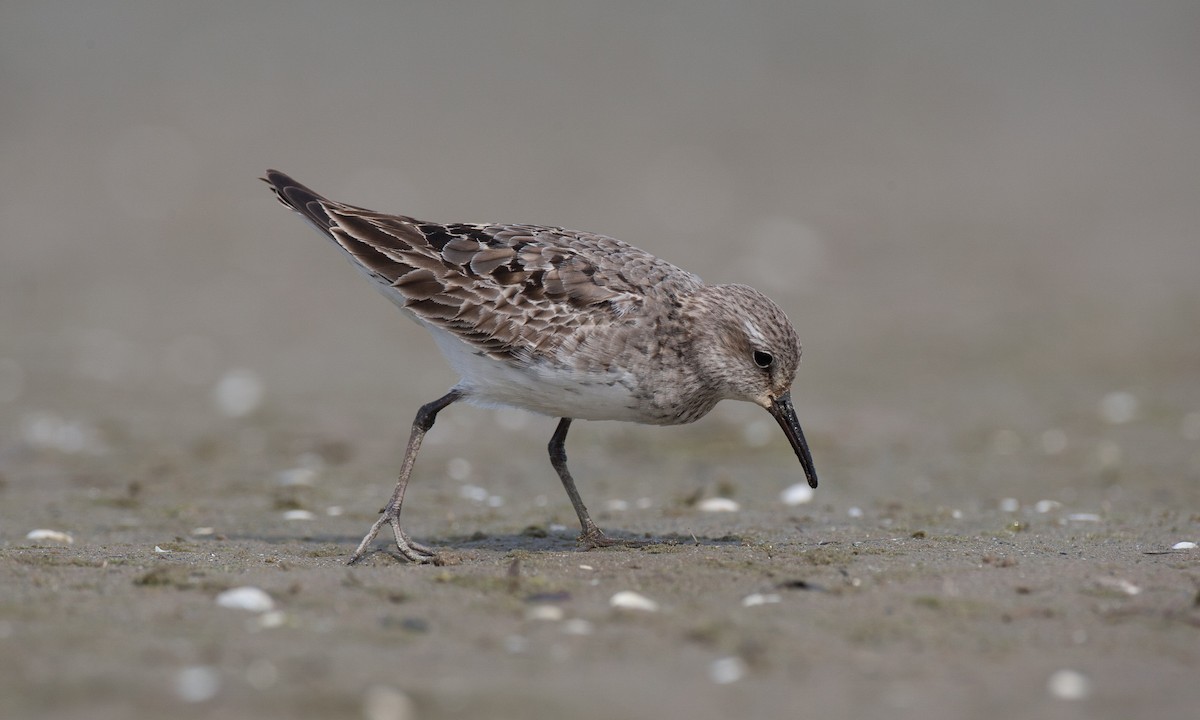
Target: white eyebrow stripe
[{"x": 755, "y": 335}]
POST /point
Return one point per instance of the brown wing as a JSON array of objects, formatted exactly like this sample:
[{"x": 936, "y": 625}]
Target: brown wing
[{"x": 504, "y": 289}]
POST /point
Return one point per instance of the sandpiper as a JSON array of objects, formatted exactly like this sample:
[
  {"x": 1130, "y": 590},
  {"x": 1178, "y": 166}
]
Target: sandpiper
[{"x": 563, "y": 323}]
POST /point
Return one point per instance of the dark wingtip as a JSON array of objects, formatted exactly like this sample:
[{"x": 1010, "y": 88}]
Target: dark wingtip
[{"x": 298, "y": 197}]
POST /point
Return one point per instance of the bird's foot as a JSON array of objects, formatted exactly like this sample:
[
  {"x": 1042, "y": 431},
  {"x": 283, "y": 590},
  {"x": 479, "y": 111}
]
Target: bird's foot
[
  {"x": 593, "y": 537},
  {"x": 410, "y": 549}
]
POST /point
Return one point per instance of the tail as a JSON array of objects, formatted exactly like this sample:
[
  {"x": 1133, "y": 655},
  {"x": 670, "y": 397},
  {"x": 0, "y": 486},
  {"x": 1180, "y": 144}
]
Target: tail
[{"x": 309, "y": 204}]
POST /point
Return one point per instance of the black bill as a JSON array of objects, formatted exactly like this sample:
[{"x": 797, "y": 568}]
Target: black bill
[{"x": 783, "y": 413}]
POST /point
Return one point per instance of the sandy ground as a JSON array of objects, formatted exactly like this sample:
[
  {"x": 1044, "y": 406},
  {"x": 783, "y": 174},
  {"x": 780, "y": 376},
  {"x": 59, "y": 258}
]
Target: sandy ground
[{"x": 981, "y": 219}]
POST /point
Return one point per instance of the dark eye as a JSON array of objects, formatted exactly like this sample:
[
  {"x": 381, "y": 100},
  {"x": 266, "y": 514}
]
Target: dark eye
[{"x": 763, "y": 359}]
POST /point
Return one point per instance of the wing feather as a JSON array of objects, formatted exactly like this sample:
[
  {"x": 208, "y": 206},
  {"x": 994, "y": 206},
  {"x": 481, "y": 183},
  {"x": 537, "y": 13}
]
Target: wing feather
[{"x": 505, "y": 290}]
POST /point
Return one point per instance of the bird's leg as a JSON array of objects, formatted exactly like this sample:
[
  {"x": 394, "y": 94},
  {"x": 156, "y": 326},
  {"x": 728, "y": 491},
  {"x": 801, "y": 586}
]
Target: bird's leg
[
  {"x": 391, "y": 513},
  {"x": 592, "y": 536}
]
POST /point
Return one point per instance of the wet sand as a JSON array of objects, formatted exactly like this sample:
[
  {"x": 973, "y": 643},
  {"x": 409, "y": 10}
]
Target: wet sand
[{"x": 983, "y": 227}]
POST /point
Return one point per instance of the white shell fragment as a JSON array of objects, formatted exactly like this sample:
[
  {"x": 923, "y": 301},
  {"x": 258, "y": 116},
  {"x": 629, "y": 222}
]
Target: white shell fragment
[
  {"x": 387, "y": 703},
  {"x": 629, "y": 600},
  {"x": 50, "y": 536},
  {"x": 272, "y": 619},
  {"x": 1010, "y": 505},
  {"x": 297, "y": 477},
  {"x": 1069, "y": 685},
  {"x": 247, "y": 598},
  {"x": 1045, "y": 506},
  {"x": 1083, "y": 517},
  {"x": 299, "y": 515},
  {"x": 197, "y": 683},
  {"x": 1184, "y": 545},
  {"x": 577, "y": 626},
  {"x": 718, "y": 504},
  {"x": 238, "y": 393},
  {"x": 797, "y": 494},
  {"x": 761, "y": 599},
  {"x": 727, "y": 670},
  {"x": 547, "y": 613},
  {"x": 1119, "y": 585}
]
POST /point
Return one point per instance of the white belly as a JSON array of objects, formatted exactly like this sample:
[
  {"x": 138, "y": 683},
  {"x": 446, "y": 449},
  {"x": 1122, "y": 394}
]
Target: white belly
[{"x": 539, "y": 388}]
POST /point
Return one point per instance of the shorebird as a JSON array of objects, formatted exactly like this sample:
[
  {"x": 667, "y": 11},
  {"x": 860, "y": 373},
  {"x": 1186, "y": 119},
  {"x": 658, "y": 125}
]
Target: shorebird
[{"x": 563, "y": 323}]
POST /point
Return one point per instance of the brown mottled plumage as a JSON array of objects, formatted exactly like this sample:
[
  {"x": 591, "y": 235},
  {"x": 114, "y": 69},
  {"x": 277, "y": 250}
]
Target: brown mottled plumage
[{"x": 564, "y": 323}]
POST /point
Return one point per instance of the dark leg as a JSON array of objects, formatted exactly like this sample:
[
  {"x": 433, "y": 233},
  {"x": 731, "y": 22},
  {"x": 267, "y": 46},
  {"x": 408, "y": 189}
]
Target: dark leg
[
  {"x": 591, "y": 536},
  {"x": 391, "y": 514}
]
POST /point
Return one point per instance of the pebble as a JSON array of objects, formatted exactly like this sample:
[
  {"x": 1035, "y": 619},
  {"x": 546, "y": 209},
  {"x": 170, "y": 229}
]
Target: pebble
[
  {"x": 197, "y": 683},
  {"x": 1010, "y": 505},
  {"x": 855, "y": 512},
  {"x": 1084, "y": 517},
  {"x": 616, "y": 505},
  {"x": 718, "y": 504},
  {"x": 246, "y": 598},
  {"x": 797, "y": 494},
  {"x": 1045, "y": 506},
  {"x": 299, "y": 515},
  {"x": 43, "y": 535},
  {"x": 629, "y": 600},
  {"x": 1069, "y": 685},
  {"x": 1184, "y": 545},
  {"x": 727, "y": 670},
  {"x": 387, "y": 703}
]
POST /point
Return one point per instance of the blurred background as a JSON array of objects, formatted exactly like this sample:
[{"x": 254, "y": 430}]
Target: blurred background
[{"x": 981, "y": 217}]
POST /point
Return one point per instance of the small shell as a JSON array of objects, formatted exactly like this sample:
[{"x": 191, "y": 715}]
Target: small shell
[
  {"x": 718, "y": 504},
  {"x": 1069, "y": 685},
  {"x": 247, "y": 598},
  {"x": 798, "y": 494},
  {"x": 298, "y": 515},
  {"x": 197, "y": 683},
  {"x": 238, "y": 393},
  {"x": 1184, "y": 545},
  {"x": 629, "y": 600},
  {"x": 727, "y": 670},
  {"x": 548, "y": 613},
  {"x": 760, "y": 599},
  {"x": 387, "y": 703},
  {"x": 42, "y": 535}
]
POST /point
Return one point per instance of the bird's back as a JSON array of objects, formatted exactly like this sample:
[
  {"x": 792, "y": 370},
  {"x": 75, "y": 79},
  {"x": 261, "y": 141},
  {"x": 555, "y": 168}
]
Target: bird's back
[{"x": 533, "y": 298}]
